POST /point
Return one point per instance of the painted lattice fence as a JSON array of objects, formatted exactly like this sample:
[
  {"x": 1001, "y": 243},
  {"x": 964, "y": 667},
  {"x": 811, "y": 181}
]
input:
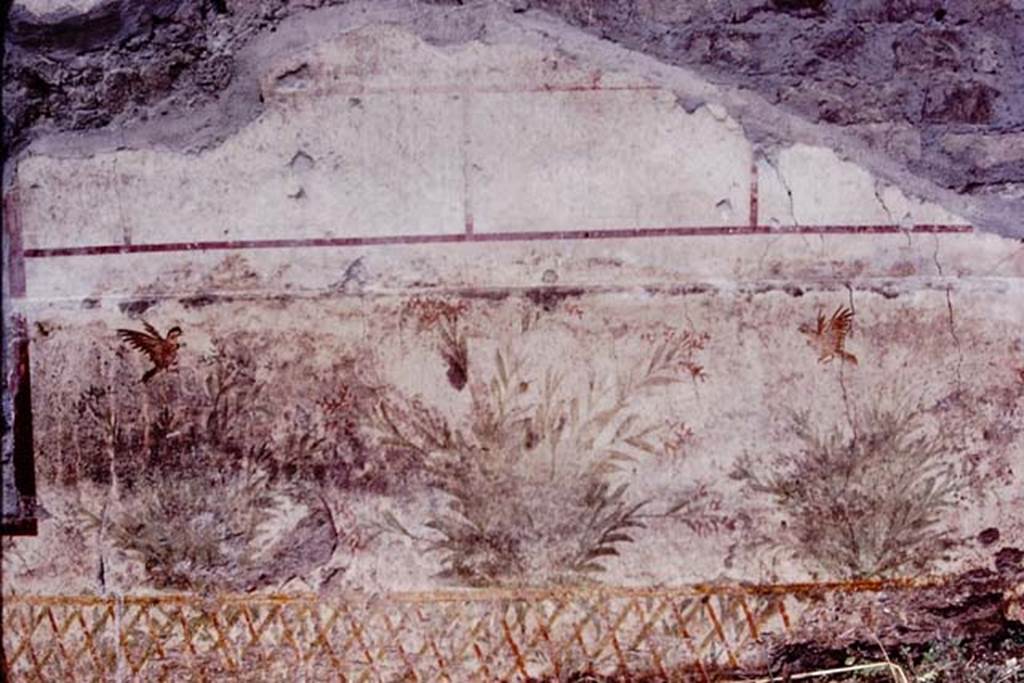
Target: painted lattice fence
[{"x": 668, "y": 634}]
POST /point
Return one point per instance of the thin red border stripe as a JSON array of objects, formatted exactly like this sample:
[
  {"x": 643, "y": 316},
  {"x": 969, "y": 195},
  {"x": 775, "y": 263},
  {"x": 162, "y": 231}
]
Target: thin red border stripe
[{"x": 455, "y": 238}]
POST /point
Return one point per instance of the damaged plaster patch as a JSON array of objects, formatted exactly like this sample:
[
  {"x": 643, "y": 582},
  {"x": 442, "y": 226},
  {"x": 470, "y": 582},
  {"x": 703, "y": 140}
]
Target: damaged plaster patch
[
  {"x": 826, "y": 190},
  {"x": 405, "y": 160},
  {"x": 908, "y": 211},
  {"x": 251, "y": 34},
  {"x": 775, "y": 198},
  {"x": 301, "y": 162},
  {"x": 821, "y": 189}
]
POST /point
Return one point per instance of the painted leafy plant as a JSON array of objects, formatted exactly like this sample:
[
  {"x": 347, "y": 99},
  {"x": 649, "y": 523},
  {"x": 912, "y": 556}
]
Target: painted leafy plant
[
  {"x": 865, "y": 502},
  {"x": 199, "y": 531},
  {"x": 534, "y": 474}
]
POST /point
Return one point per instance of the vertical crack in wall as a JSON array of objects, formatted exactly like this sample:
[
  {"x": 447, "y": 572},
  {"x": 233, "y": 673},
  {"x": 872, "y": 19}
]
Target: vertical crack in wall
[
  {"x": 956, "y": 339},
  {"x": 101, "y": 533},
  {"x": 935, "y": 256},
  {"x": 785, "y": 184},
  {"x": 951, "y": 316},
  {"x": 881, "y": 203}
]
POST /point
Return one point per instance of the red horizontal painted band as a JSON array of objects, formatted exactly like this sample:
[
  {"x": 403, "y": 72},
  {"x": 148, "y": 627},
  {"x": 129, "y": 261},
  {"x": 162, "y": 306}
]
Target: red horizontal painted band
[{"x": 550, "y": 235}]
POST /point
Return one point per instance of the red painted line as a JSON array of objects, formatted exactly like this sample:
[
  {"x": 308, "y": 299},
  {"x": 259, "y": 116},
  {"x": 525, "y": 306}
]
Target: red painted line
[
  {"x": 15, "y": 250},
  {"x": 538, "y": 236},
  {"x": 753, "y": 192},
  {"x": 101, "y": 249}
]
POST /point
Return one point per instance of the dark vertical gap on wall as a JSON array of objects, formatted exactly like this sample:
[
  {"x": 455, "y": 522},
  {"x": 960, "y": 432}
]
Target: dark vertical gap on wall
[{"x": 19, "y": 393}]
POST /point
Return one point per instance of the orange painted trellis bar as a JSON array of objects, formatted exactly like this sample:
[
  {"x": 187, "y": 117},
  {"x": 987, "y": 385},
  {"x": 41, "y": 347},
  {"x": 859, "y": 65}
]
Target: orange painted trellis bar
[{"x": 671, "y": 633}]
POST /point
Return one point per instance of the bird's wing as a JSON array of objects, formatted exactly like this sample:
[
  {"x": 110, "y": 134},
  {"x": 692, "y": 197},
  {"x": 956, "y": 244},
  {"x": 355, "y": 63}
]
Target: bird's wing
[
  {"x": 840, "y": 325},
  {"x": 821, "y": 323},
  {"x": 151, "y": 330},
  {"x": 150, "y": 345}
]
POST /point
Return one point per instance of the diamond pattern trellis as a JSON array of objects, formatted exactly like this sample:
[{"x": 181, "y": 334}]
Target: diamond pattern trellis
[{"x": 473, "y": 635}]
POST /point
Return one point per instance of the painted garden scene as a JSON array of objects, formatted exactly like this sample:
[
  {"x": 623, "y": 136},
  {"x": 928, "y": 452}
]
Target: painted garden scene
[{"x": 527, "y": 341}]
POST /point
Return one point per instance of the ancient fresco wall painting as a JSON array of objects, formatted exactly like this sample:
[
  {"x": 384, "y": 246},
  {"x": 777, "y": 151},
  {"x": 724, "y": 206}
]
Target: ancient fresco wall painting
[
  {"x": 534, "y": 467},
  {"x": 536, "y": 439},
  {"x": 524, "y": 439},
  {"x": 520, "y": 440}
]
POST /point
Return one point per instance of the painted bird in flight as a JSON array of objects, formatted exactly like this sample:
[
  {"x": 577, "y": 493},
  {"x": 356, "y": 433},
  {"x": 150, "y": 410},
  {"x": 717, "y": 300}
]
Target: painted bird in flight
[
  {"x": 829, "y": 335},
  {"x": 162, "y": 351}
]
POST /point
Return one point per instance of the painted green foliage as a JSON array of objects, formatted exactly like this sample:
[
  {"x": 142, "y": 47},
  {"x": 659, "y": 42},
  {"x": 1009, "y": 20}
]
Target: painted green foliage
[{"x": 531, "y": 421}]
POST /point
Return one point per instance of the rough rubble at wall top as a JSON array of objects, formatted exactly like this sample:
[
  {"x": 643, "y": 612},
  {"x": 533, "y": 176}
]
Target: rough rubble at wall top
[{"x": 863, "y": 73}]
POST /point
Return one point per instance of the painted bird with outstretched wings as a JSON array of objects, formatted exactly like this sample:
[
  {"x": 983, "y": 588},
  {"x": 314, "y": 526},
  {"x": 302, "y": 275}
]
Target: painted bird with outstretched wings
[
  {"x": 828, "y": 335},
  {"x": 162, "y": 351}
]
